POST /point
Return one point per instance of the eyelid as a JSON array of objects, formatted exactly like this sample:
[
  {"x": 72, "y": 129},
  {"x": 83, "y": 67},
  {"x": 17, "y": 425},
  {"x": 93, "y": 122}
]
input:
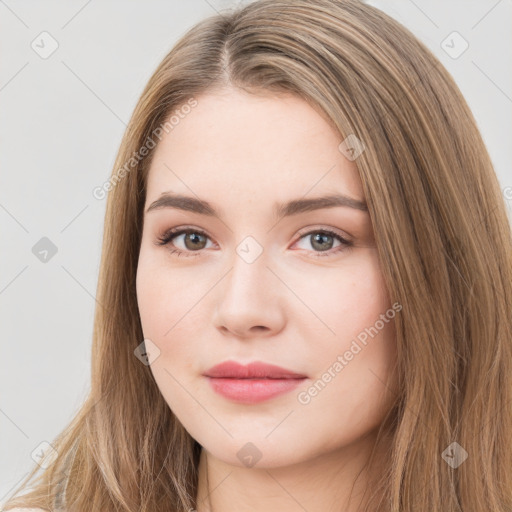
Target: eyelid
[
  {"x": 346, "y": 242},
  {"x": 318, "y": 227},
  {"x": 165, "y": 237},
  {"x": 303, "y": 231}
]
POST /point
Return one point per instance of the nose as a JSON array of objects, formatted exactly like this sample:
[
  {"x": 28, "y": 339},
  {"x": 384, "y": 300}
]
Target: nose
[{"x": 248, "y": 302}]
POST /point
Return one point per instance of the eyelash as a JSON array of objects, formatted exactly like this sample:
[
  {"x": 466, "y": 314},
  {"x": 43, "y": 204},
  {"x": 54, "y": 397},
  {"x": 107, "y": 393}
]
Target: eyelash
[{"x": 166, "y": 238}]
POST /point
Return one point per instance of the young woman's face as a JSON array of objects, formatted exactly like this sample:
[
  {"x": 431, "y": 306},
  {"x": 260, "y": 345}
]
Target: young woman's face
[{"x": 298, "y": 287}]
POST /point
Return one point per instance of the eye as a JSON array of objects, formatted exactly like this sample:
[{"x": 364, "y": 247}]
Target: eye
[
  {"x": 323, "y": 239},
  {"x": 195, "y": 240}
]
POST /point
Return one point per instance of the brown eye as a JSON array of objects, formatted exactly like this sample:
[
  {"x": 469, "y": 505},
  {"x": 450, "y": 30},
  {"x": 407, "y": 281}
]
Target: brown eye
[{"x": 194, "y": 241}]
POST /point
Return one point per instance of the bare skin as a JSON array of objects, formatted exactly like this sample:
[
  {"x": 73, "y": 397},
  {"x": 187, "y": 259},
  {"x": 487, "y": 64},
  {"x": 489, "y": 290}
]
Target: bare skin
[{"x": 300, "y": 304}]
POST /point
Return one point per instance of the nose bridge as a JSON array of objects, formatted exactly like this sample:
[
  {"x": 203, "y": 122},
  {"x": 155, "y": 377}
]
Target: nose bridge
[
  {"x": 247, "y": 298},
  {"x": 249, "y": 272}
]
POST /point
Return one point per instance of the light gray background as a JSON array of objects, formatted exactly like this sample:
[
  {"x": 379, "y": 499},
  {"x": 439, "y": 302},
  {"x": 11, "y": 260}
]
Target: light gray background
[{"x": 61, "y": 122}]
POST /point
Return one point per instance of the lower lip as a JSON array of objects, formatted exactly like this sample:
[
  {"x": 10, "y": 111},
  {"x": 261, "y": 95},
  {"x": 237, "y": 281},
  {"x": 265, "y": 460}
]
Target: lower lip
[{"x": 252, "y": 391}]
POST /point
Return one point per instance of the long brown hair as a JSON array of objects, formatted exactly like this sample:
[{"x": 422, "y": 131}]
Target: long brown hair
[{"x": 442, "y": 233}]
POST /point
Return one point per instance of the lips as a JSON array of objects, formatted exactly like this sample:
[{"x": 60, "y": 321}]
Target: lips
[
  {"x": 252, "y": 383},
  {"x": 256, "y": 370}
]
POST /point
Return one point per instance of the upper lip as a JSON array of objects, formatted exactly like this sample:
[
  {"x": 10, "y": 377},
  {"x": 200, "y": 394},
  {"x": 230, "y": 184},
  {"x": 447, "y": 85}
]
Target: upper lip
[{"x": 257, "y": 369}]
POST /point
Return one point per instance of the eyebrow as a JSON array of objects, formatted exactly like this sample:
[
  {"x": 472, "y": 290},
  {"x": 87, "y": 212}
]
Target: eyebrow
[{"x": 293, "y": 207}]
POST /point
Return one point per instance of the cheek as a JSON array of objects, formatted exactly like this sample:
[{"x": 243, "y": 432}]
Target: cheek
[
  {"x": 360, "y": 319},
  {"x": 159, "y": 292},
  {"x": 169, "y": 308},
  {"x": 352, "y": 368},
  {"x": 166, "y": 302},
  {"x": 154, "y": 296},
  {"x": 149, "y": 297},
  {"x": 348, "y": 300}
]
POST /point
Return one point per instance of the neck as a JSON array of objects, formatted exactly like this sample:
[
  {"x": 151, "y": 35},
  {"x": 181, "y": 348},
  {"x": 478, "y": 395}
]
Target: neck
[{"x": 336, "y": 480}]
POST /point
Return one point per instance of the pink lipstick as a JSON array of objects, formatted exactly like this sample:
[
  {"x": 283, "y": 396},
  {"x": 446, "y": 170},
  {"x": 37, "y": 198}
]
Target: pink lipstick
[{"x": 252, "y": 383}]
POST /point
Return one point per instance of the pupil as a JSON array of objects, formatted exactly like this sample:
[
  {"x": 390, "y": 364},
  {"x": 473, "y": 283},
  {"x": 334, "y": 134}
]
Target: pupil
[
  {"x": 194, "y": 238},
  {"x": 319, "y": 237}
]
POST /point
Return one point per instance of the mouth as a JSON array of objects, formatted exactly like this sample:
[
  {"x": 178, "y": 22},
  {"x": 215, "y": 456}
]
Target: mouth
[{"x": 252, "y": 383}]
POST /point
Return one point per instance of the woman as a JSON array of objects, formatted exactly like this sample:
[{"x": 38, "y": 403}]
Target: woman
[{"x": 305, "y": 286}]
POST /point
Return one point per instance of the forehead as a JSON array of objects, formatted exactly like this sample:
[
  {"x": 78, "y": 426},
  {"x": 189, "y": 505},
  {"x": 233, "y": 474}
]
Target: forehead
[{"x": 252, "y": 148}]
